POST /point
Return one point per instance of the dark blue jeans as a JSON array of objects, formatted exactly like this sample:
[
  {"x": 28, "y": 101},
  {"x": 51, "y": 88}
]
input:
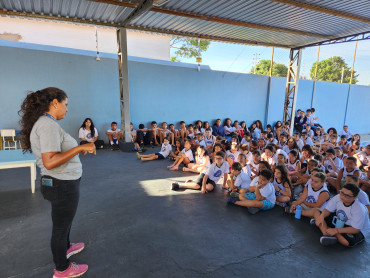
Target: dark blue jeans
[{"x": 63, "y": 196}]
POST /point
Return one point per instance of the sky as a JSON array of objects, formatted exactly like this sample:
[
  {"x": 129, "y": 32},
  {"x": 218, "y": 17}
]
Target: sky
[{"x": 240, "y": 58}]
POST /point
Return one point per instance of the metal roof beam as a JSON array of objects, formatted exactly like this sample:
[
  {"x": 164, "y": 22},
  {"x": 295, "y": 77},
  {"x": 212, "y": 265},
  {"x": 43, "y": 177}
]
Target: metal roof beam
[
  {"x": 141, "y": 8},
  {"x": 219, "y": 20},
  {"x": 207, "y": 37},
  {"x": 100, "y": 23},
  {"x": 321, "y": 9}
]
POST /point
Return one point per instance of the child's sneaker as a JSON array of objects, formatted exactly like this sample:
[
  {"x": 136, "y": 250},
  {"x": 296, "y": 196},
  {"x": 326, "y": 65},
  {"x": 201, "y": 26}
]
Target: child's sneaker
[
  {"x": 253, "y": 210},
  {"x": 74, "y": 270},
  {"x": 231, "y": 201},
  {"x": 75, "y": 248},
  {"x": 234, "y": 194},
  {"x": 175, "y": 186},
  {"x": 312, "y": 222},
  {"x": 328, "y": 240}
]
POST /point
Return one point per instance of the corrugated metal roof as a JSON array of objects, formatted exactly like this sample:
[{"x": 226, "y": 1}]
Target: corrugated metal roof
[{"x": 267, "y": 22}]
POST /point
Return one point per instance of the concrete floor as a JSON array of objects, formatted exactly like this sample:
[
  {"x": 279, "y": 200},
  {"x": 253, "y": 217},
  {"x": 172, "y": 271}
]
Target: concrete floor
[{"x": 135, "y": 226}]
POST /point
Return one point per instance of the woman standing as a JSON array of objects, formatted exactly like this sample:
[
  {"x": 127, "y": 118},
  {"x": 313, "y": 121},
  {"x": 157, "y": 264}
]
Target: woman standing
[{"x": 56, "y": 155}]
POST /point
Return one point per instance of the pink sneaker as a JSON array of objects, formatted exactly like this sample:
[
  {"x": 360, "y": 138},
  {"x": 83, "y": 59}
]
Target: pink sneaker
[
  {"x": 75, "y": 248},
  {"x": 74, "y": 270}
]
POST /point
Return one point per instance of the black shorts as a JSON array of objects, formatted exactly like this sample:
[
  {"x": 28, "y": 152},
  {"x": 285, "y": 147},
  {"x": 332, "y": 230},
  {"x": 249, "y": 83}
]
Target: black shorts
[
  {"x": 160, "y": 156},
  {"x": 353, "y": 239},
  {"x": 199, "y": 180}
]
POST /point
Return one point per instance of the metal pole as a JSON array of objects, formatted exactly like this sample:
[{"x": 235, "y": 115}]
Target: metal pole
[
  {"x": 123, "y": 81},
  {"x": 269, "y": 89},
  {"x": 353, "y": 65},
  {"x": 314, "y": 82},
  {"x": 272, "y": 61},
  {"x": 350, "y": 83},
  {"x": 292, "y": 86}
]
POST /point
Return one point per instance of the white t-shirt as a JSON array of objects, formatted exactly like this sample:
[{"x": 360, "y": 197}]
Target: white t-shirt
[
  {"x": 165, "y": 150},
  {"x": 271, "y": 160},
  {"x": 215, "y": 173},
  {"x": 188, "y": 153},
  {"x": 84, "y": 133},
  {"x": 363, "y": 198},
  {"x": 117, "y": 131},
  {"x": 233, "y": 156},
  {"x": 365, "y": 159},
  {"x": 338, "y": 162},
  {"x": 274, "y": 141},
  {"x": 203, "y": 130},
  {"x": 308, "y": 141},
  {"x": 254, "y": 166},
  {"x": 242, "y": 180},
  {"x": 300, "y": 144},
  {"x": 244, "y": 142},
  {"x": 209, "y": 141},
  {"x": 348, "y": 134},
  {"x": 356, "y": 215},
  {"x": 229, "y": 129},
  {"x": 268, "y": 191},
  {"x": 203, "y": 143}
]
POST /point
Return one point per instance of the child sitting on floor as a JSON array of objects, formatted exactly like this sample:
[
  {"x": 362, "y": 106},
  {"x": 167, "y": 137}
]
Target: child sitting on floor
[
  {"x": 232, "y": 154},
  {"x": 362, "y": 196},
  {"x": 164, "y": 152},
  {"x": 237, "y": 178},
  {"x": 282, "y": 185},
  {"x": 186, "y": 156},
  {"x": 263, "y": 196},
  {"x": 206, "y": 181},
  {"x": 346, "y": 207},
  {"x": 314, "y": 196},
  {"x": 201, "y": 161}
]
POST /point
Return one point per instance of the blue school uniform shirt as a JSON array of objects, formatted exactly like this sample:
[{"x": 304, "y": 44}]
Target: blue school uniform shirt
[{"x": 218, "y": 131}]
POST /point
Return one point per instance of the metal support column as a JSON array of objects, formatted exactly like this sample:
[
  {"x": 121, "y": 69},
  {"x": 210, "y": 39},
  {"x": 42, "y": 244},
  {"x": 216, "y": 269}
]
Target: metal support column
[
  {"x": 350, "y": 83},
  {"x": 269, "y": 90},
  {"x": 123, "y": 83},
  {"x": 314, "y": 82},
  {"x": 292, "y": 87}
]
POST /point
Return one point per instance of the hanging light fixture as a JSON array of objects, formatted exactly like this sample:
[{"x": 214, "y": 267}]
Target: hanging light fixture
[{"x": 97, "y": 44}]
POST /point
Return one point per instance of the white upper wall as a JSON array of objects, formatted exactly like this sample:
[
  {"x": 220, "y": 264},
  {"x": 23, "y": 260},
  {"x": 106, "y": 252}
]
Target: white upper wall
[{"x": 83, "y": 37}]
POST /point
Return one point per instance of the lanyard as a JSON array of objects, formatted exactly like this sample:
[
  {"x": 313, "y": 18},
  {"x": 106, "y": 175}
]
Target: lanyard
[{"x": 50, "y": 116}]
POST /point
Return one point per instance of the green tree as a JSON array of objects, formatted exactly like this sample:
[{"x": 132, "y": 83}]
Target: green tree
[
  {"x": 331, "y": 70},
  {"x": 188, "y": 48},
  {"x": 263, "y": 67}
]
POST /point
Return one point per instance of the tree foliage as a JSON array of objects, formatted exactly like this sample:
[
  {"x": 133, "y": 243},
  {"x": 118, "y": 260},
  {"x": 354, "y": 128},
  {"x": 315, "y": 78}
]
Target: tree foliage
[
  {"x": 263, "y": 67},
  {"x": 188, "y": 48},
  {"x": 331, "y": 70}
]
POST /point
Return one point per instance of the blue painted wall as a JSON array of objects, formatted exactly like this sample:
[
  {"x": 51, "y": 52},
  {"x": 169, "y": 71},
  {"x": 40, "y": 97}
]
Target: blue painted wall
[
  {"x": 358, "y": 112},
  {"x": 330, "y": 103},
  {"x": 160, "y": 90}
]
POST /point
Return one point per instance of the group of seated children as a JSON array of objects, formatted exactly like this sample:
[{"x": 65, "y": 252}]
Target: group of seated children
[{"x": 326, "y": 179}]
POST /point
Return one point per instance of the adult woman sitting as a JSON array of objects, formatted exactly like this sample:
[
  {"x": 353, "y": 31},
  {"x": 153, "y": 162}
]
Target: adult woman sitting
[{"x": 89, "y": 134}]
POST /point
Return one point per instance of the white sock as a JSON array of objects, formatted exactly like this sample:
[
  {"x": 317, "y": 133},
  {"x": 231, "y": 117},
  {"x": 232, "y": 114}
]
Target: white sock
[{"x": 111, "y": 142}]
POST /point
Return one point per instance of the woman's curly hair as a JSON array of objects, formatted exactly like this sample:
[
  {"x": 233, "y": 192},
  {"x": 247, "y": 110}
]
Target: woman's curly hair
[{"x": 34, "y": 106}]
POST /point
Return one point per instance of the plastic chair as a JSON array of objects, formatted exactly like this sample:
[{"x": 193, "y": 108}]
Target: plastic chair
[{"x": 8, "y": 136}]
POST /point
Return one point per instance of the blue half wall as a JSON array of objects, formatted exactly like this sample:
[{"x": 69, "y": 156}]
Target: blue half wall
[{"x": 161, "y": 90}]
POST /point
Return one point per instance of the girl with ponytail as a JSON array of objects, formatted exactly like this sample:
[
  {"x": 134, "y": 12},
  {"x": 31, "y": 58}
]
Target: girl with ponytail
[{"x": 57, "y": 156}]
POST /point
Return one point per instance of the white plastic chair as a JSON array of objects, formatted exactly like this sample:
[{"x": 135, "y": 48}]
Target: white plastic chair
[{"x": 8, "y": 136}]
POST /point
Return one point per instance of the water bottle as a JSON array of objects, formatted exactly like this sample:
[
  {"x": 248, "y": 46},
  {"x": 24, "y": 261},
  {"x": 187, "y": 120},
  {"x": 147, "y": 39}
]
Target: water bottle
[
  {"x": 298, "y": 212},
  {"x": 338, "y": 221}
]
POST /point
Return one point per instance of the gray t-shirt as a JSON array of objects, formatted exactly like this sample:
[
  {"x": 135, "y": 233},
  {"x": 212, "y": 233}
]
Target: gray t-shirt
[{"x": 47, "y": 136}]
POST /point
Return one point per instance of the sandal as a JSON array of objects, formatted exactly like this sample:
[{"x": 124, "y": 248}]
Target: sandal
[{"x": 175, "y": 168}]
